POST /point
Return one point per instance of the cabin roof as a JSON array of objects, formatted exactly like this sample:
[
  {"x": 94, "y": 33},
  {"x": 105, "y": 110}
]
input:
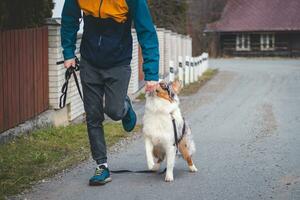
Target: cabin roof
[{"x": 258, "y": 15}]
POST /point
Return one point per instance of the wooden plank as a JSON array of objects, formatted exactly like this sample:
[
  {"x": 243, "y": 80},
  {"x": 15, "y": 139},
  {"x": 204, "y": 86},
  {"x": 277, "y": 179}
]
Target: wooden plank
[
  {"x": 11, "y": 79},
  {"x": 30, "y": 68},
  {"x": 37, "y": 68},
  {"x": 23, "y": 79},
  {"x": 16, "y": 77},
  {"x": 26, "y": 76},
  {"x": 34, "y": 76},
  {"x": 11, "y": 102},
  {"x": 1, "y": 83},
  {"x": 45, "y": 68},
  {"x": 9, "y": 95},
  {"x": 35, "y": 73},
  {"x": 5, "y": 81}
]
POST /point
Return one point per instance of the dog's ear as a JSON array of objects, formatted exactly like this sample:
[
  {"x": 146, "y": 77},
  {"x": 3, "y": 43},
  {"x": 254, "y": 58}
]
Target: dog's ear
[{"x": 177, "y": 86}]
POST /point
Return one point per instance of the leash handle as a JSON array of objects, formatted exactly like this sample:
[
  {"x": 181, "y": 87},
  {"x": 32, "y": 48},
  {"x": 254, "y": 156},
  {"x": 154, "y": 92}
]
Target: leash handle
[{"x": 64, "y": 90}]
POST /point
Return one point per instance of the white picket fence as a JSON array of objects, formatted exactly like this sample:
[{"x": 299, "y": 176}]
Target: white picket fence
[
  {"x": 189, "y": 69},
  {"x": 176, "y": 59},
  {"x": 172, "y": 47}
]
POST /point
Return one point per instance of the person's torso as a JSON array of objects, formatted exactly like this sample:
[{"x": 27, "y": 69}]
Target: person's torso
[{"x": 106, "y": 39}]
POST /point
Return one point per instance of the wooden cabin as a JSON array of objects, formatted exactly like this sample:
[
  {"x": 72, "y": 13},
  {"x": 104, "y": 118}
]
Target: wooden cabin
[{"x": 258, "y": 28}]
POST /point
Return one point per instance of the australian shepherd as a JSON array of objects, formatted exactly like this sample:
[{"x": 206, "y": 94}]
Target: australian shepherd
[{"x": 162, "y": 107}]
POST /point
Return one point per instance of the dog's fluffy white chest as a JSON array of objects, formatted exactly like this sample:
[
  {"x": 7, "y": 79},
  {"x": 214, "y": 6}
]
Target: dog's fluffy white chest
[
  {"x": 158, "y": 125},
  {"x": 158, "y": 129}
]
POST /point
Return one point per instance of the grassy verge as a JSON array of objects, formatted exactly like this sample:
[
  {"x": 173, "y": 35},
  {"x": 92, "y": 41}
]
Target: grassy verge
[
  {"x": 194, "y": 87},
  {"x": 46, "y": 152},
  {"x": 141, "y": 97}
]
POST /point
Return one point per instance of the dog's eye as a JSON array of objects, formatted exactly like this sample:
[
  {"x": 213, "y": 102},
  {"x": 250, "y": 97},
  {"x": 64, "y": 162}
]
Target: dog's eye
[{"x": 163, "y": 86}]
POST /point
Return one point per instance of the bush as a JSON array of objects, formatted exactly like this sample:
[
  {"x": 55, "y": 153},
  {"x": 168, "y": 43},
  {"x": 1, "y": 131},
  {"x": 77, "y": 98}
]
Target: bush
[{"x": 15, "y": 14}]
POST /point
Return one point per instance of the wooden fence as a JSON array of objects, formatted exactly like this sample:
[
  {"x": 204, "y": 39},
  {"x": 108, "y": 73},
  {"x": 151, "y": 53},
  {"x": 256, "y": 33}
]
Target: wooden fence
[{"x": 23, "y": 75}]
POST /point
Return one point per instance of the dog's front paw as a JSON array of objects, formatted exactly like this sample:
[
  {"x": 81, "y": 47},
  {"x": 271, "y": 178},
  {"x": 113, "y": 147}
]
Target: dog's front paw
[
  {"x": 169, "y": 178},
  {"x": 150, "y": 165},
  {"x": 155, "y": 167},
  {"x": 193, "y": 168}
]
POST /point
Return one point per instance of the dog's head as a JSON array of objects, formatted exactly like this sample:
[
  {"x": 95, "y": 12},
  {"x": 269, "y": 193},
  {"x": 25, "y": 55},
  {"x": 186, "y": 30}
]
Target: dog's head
[
  {"x": 168, "y": 91},
  {"x": 165, "y": 97}
]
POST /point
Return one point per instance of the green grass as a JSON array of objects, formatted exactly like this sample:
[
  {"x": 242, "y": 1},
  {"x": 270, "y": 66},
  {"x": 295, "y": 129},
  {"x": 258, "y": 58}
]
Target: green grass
[
  {"x": 141, "y": 97},
  {"x": 192, "y": 88},
  {"x": 46, "y": 152}
]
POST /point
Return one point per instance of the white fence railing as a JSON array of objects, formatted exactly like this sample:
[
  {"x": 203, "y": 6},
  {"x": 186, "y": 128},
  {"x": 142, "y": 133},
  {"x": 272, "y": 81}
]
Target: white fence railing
[{"x": 190, "y": 69}]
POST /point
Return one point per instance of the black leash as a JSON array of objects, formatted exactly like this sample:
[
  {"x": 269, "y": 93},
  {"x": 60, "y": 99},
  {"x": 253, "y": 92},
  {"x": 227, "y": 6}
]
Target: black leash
[
  {"x": 137, "y": 172},
  {"x": 175, "y": 134},
  {"x": 64, "y": 90}
]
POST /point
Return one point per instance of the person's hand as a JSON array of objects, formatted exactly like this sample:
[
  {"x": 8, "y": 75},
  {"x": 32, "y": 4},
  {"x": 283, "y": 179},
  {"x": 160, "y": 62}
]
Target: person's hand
[
  {"x": 70, "y": 63},
  {"x": 151, "y": 86}
]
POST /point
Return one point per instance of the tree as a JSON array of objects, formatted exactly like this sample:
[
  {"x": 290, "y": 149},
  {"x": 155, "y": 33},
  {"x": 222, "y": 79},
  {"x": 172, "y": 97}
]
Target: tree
[
  {"x": 187, "y": 17},
  {"x": 200, "y": 13},
  {"x": 170, "y": 14},
  {"x": 24, "y": 14}
]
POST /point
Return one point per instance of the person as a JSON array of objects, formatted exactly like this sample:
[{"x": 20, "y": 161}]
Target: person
[{"x": 106, "y": 53}]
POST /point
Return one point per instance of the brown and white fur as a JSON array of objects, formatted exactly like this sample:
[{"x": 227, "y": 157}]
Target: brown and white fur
[{"x": 160, "y": 108}]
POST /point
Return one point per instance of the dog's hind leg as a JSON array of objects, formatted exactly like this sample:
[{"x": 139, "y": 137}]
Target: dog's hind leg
[
  {"x": 170, "y": 153},
  {"x": 149, "y": 154},
  {"x": 159, "y": 155},
  {"x": 183, "y": 148}
]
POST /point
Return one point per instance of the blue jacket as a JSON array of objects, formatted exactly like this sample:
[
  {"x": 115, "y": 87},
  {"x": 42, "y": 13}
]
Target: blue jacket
[{"x": 106, "y": 39}]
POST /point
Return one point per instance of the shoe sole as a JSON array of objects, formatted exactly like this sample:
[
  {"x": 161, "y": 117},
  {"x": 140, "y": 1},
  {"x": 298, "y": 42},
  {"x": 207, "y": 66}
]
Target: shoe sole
[{"x": 100, "y": 183}]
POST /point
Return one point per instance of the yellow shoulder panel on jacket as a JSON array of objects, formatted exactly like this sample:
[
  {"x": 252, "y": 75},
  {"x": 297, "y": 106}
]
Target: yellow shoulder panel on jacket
[{"x": 115, "y": 9}]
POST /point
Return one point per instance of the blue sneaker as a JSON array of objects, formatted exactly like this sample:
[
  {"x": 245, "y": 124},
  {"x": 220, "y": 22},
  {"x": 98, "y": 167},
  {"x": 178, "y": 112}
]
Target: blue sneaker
[
  {"x": 101, "y": 176},
  {"x": 129, "y": 121}
]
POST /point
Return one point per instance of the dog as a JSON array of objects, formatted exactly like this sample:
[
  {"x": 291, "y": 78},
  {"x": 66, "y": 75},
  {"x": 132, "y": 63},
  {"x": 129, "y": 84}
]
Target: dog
[{"x": 162, "y": 106}]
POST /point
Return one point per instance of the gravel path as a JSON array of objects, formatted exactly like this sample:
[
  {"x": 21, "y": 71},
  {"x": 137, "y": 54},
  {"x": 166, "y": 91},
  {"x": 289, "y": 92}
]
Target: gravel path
[{"x": 246, "y": 124}]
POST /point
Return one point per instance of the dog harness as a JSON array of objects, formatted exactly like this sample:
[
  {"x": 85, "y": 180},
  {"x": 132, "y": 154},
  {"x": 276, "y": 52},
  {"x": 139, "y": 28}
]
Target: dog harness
[{"x": 183, "y": 132}]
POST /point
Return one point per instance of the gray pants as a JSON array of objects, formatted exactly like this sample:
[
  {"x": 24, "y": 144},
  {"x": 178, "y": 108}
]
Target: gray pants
[{"x": 97, "y": 83}]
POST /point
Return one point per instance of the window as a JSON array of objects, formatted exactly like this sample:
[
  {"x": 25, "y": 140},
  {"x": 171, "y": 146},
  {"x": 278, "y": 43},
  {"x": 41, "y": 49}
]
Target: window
[
  {"x": 267, "y": 42},
  {"x": 243, "y": 42}
]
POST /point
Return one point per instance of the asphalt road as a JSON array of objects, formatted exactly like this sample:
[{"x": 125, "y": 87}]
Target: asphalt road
[{"x": 246, "y": 125}]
